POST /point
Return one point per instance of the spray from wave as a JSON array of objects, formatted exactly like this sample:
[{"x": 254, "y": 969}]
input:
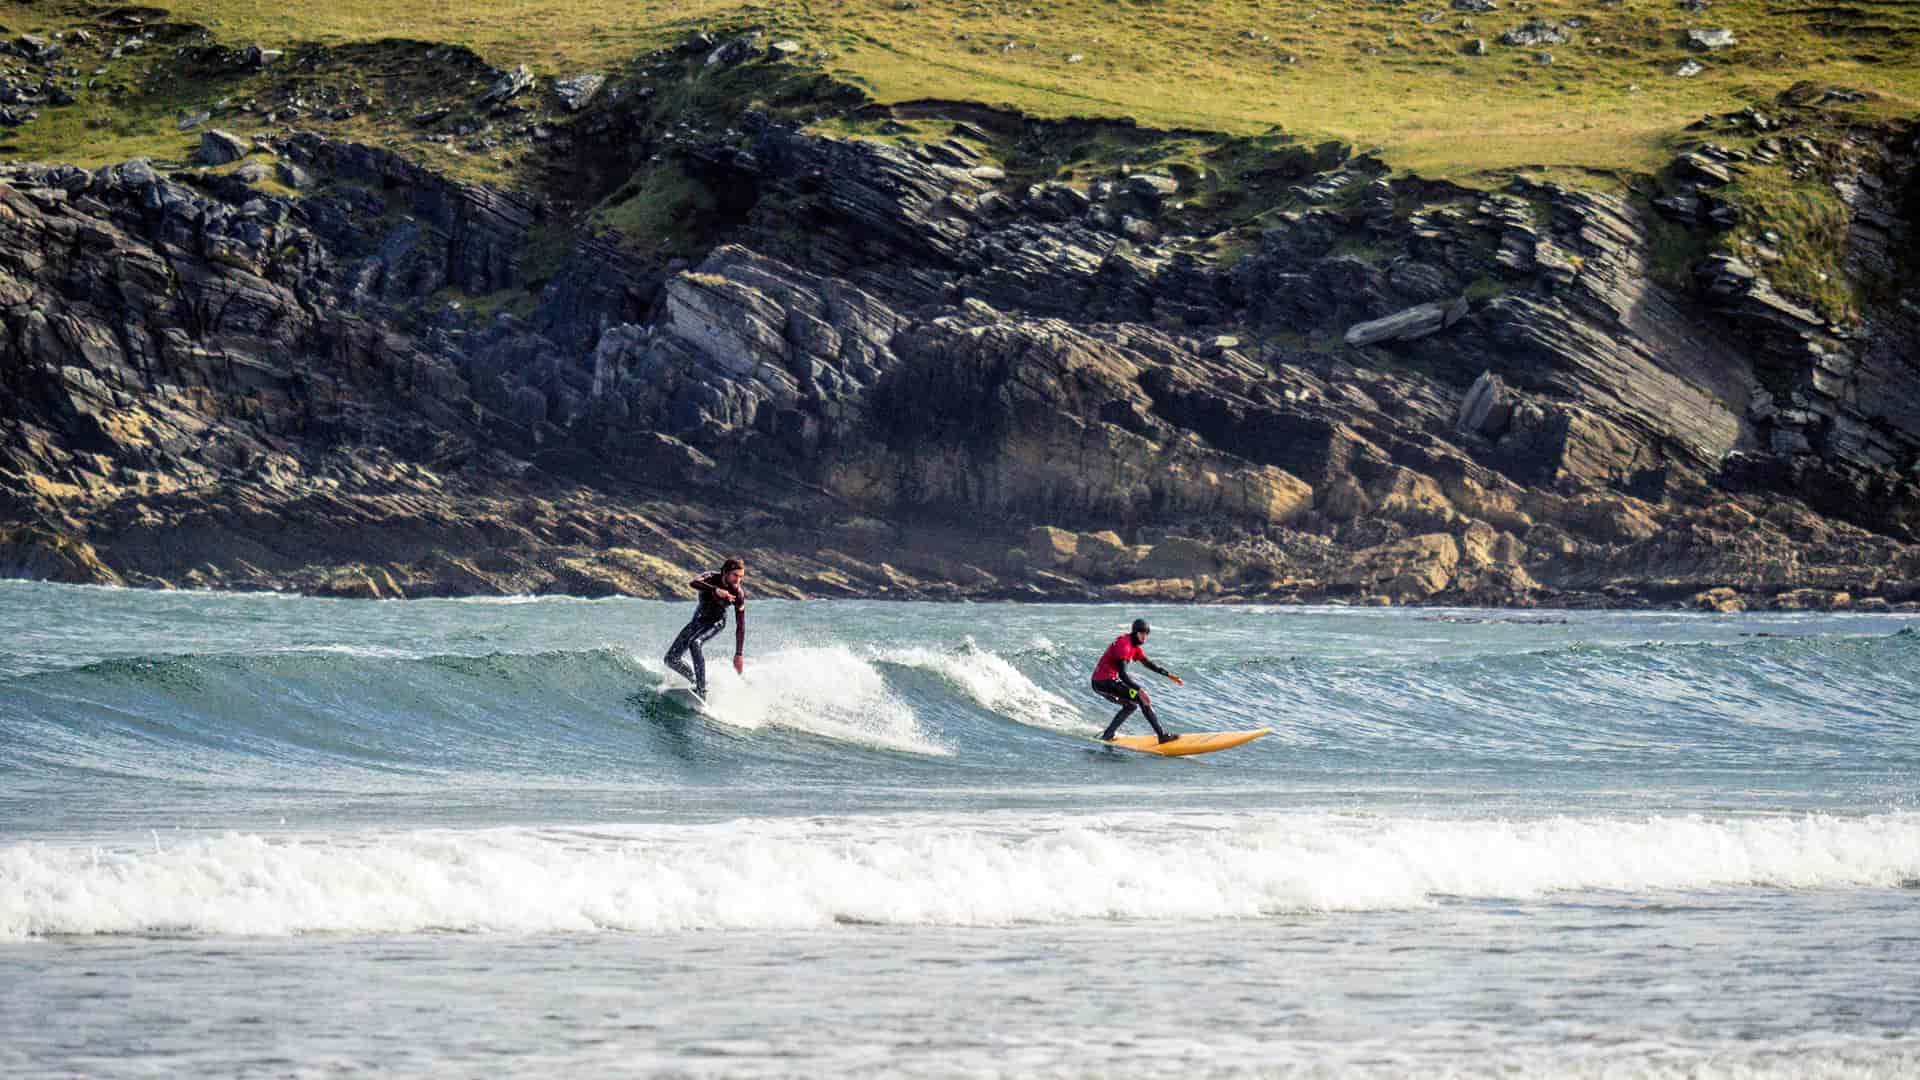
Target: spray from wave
[
  {"x": 994, "y": 684},
  {"x": 824, "y": 691}
]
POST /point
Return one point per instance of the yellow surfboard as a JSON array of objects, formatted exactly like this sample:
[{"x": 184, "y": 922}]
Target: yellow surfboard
[{"x": 1205, "y": 742}]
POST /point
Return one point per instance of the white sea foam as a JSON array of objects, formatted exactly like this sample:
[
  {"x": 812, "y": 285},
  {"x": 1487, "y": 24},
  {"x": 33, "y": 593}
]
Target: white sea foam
[
  {"x": 995, "y": 685},
  {"x": 825, "y": 691},
  {"x": 981, "y": 869}
]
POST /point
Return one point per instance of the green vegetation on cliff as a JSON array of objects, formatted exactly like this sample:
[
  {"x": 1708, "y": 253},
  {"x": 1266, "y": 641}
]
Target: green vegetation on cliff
[
  {"x": 1231, "y": 97},
  {"x": 1402, "y": 76}
]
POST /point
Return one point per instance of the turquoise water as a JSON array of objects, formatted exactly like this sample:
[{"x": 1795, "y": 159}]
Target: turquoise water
[{"x": 1476, "y": 843}]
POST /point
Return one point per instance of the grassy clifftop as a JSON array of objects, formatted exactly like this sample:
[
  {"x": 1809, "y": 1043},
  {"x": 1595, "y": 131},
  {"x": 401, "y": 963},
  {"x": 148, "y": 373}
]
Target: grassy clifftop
[
  {"x": 1593, "y": 92},
  {"x": 1400, "y": 75}
]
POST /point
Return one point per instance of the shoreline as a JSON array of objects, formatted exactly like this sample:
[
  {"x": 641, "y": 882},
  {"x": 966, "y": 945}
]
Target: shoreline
[{"x": 1544, "y": 608}]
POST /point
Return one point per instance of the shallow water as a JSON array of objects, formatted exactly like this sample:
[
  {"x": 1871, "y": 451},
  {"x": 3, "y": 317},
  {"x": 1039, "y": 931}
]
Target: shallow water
[{"x": 248, "y": 835}]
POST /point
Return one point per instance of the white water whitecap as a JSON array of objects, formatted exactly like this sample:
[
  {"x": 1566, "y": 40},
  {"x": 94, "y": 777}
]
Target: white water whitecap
[
  {"x": 826, "y": 691},
  {"x": 915, "y": 870}
]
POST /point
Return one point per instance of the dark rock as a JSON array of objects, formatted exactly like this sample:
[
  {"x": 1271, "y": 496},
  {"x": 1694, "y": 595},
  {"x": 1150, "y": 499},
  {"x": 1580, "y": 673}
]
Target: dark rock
[
  {"x": 735, "y": 52},
  {"x": 578, "y": 91},
  {"x": 1414, "y": 322},
  {"x": 1683, "y": 206},
  {"x": 1487, "y": 408},
  {"x": 508, "y": 86},
  {"x": 219, "y": 148},
  {"x": 37, "y": 49},
  {"x": 293, "y": 175},
  {"x": 1152, "y": 187},
  {"x": 1702, "y": 168},
  {"x": 884, "y": 336},
  {"x": 1421, "y": 281},
  {"x": 1060, "y": 202}
]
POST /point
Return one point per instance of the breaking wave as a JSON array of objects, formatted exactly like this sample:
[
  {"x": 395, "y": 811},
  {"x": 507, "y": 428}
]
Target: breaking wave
[{"x": 913, "y": 870}]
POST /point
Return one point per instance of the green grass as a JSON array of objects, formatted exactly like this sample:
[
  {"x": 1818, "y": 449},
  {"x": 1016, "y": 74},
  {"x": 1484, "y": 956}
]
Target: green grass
[
  {"x": 134, "y": 104},
  {"x": 1674, "y": 249},
  {"x": 1362, "y": 72},
  {"x": 1238, "y": 99},
  {"x": 661, "y": 209},
  {"x": 483, "y": 308},
  {"x": 1608, "y": 103},
  {"x": 1484, "y": 288},
  {"x": 1811, "y": 224}
]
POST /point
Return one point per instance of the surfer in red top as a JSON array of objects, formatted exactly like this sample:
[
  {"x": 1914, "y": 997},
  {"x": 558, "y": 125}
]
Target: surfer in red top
[{"x": 1111, "y": 681}]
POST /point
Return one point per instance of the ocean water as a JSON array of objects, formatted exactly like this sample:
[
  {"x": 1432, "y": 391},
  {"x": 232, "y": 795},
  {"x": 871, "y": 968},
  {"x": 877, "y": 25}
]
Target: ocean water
[{"x": 254, "y": 835}]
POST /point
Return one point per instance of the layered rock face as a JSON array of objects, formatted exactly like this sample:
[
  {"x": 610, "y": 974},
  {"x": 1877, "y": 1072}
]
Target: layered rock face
[{"x": 894, "y": 365}]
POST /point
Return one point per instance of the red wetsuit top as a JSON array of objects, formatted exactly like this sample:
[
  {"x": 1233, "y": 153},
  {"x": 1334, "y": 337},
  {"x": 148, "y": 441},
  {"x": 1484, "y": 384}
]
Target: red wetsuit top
[{"x": 1122, "y": 651}]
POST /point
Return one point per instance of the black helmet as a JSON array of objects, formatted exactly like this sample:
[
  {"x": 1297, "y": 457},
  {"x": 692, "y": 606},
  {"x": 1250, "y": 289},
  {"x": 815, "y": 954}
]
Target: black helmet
[{"x": 1140, "y": 626}]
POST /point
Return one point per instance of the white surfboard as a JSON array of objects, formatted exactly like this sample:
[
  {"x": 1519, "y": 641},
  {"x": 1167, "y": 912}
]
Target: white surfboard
[{"x": 685, "y": 698}]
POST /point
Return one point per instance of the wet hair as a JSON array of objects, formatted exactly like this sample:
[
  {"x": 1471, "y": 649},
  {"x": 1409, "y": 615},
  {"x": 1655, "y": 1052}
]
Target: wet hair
[
  {"x": 1140, "y": 627},
  {"x": 733, "y": 564}
]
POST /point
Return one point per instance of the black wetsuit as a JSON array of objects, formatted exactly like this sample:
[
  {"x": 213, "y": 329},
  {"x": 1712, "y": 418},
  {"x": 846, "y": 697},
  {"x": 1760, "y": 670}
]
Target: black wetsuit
[{"x": 707, "y": 621}]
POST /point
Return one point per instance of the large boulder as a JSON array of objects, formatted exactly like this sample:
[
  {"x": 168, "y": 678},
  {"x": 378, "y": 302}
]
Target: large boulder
[
  {"x": 1409, "y": 324},
  {"x": 1102, "y": 555},
  {"x": 1486, "y": 408},
  {"x": 1344, "y": 499},
  {"x": 1181, "y": 557},
  {"x": 576, "y": 92},
  {"x": 510, "y": 85},
  {"x": 219, "y": 148},
  {"x": 42, "y": 555},
  {"x": 1720, "y": 599},
  {"x": 1050, "y": 546},
  {"x": 1610, "y": 518},
  {"x": 1411, "y": 569},
  {"x": 1412, "y": 498}
]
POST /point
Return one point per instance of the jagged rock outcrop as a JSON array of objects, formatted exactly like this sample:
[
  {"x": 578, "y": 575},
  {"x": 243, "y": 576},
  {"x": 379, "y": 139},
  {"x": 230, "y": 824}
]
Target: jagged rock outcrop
[{"x": 1490, "y": 399}]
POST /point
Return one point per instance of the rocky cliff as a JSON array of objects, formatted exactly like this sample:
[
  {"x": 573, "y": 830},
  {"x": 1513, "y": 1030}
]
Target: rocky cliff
[{"x": 930, "y": 366}]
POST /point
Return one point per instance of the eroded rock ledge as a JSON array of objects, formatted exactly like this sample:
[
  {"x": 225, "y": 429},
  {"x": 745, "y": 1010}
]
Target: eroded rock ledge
[{"x": 895, "y": 373}]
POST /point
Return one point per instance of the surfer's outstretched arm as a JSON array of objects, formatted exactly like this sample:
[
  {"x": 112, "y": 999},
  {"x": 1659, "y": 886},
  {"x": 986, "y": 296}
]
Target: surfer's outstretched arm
[{"x": 1158, "y": 670}]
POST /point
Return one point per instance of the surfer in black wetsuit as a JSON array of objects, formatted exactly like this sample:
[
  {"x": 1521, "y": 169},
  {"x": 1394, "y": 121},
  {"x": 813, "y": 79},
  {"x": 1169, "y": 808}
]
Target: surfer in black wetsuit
[
  {"x": 1111, "y": 681},
  {"x": 718, "y": 591}
]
